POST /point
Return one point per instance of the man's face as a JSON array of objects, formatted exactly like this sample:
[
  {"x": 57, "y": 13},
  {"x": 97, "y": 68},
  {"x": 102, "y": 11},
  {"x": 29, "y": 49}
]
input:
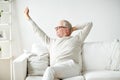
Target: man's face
[{"x": 62, "y": 31}]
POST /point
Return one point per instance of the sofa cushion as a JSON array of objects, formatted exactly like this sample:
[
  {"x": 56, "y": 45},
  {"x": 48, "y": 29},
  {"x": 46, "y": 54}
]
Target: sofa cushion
[
  {"x": 75, "y": 78},
  {"x": 38, "y": 60},
  {"x": 40, "y": 78},
  {"x": 95, "y": 55},
  {"x": 114, "y": 60},
  {"x": 102, "y": 75},
  {"x": 37, "y": 64},
  {"x": 36, "y": 78}
]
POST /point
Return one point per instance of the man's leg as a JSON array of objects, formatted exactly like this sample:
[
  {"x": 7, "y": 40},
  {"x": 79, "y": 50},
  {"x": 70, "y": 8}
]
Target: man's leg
[
  {"x": 66, "y": 69},
  {"x": 62, "y": 70},
  {"x": 49, "y": 74}
]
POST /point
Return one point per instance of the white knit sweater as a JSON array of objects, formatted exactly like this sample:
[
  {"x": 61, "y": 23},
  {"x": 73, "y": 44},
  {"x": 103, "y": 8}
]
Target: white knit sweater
[{"x": 66, "y": 48}]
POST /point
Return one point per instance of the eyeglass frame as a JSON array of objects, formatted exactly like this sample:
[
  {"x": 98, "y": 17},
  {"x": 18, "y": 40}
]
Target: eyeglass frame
[{"x": 56, "y": 28}]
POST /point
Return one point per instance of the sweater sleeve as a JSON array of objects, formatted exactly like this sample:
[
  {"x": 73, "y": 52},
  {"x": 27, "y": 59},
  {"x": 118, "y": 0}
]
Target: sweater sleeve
[
  {"x": 44, "y": 38},
  {"x": 84, "y": 30}
]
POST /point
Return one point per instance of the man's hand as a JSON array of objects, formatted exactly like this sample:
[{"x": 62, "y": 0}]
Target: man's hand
[
  {"x": 74, "y": 28},
  {"x": 26, "y": 13}
]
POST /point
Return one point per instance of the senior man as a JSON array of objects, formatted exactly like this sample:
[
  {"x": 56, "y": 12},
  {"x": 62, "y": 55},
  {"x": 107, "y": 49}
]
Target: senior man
[{"x": 64, "y": 50}]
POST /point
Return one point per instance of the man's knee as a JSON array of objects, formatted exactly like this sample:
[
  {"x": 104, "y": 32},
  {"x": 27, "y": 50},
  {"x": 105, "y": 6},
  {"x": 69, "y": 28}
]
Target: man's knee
[
  {"x": 49, "y": 74},
  {"x": 50, "y": 70}
]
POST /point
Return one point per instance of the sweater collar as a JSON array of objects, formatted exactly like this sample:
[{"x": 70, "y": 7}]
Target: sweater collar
[{"x": 66, "y": 37}]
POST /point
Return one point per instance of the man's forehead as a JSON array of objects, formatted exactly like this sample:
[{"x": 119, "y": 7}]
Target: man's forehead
[{"x": 61, "y": 23}]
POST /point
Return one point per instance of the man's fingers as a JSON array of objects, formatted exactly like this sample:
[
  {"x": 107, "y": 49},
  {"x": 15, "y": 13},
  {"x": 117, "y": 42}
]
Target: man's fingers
[
  {"x": 26, "y": 13},
  {"x": 26, "y": 10}
]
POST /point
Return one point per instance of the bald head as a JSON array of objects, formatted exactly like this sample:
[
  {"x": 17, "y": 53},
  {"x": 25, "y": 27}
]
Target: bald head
[{"x": 65, "y": 23}]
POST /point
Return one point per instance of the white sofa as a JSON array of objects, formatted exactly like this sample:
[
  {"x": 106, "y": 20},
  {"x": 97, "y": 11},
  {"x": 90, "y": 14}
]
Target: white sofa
[{"x": 95, "y": 59}]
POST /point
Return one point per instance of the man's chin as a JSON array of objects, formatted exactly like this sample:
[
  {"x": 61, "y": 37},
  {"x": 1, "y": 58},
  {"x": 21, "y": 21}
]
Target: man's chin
[{"x": 60, "y": 36}]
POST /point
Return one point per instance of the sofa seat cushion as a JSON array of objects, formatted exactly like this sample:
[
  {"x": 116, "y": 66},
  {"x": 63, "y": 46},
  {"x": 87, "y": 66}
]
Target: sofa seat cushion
[
  {"x": 35, "y": 78},
  {"x": 102, "y": 75},
  {"x": 75, "y": 78}
]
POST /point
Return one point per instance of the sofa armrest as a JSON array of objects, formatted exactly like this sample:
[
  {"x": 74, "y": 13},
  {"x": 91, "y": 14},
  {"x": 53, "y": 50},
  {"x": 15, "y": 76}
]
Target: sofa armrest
[{"x": 20, "y": 67}]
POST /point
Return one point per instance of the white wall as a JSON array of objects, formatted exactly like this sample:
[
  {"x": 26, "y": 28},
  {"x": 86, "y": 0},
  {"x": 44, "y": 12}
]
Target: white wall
[{"x": 105, "y": 15}]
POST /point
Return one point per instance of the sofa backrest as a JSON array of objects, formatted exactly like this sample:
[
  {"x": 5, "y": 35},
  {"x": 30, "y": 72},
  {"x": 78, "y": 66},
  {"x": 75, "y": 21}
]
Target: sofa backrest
[{"x": 95, "y": 55}]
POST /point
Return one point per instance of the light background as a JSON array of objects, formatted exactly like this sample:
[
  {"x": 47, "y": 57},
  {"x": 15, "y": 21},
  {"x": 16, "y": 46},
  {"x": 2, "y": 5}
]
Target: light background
[{"x": 105, "y": 15}]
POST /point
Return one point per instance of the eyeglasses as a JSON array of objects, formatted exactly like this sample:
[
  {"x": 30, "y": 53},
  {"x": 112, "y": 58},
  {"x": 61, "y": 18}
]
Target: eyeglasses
[{"x": 58, "y": 27}]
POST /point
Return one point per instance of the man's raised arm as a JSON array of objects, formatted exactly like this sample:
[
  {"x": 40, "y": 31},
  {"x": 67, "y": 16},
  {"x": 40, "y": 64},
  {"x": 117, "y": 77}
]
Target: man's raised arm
[
  {"x": 44, "y": 38},
  {"x": 85, "y": 29}
]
